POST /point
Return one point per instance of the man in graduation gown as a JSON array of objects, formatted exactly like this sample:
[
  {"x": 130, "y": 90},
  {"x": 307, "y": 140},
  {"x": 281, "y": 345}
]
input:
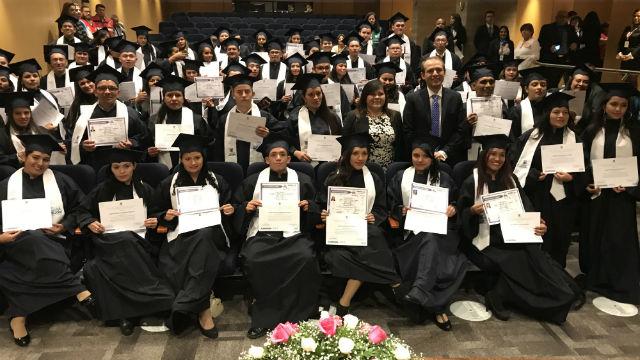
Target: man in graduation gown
[
  {"x": 128, "y": 58},
  {"x": 275, "y": 69},
  {"x": 232, "y": 48},
  {"x": 410, "y": 51},
  {"x": 81, "y": 55},
  {"x": 36, "y": 270},
  {"x": 148, "y": 51},
  {"x": 441, "y": 49},
  {"x": 530, "y": 110},
  {"x": 281, "y": 267},
  {"x": 364, "y": 29},
  {"x": 56, "y": 56},
  {"x": 67, "y": 26},
  {"x": 354, "y": 45},
  {"x": 107, "y": 80}
]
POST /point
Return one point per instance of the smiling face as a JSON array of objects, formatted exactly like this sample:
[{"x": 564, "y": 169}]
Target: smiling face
[
  {"x": 207, "y": 54},
  {"x": 58, "y": 63},
  {"x": 68, "y": 30},
  {"x": 433, "y": 73},
  {"x": 494, "y": 159},
  {"x": 87, "y": 86},
  {"x": 295, "y": 69},
  {"x": 559, "y": 117},
  {"x": 21, "y": 117},
  {"x": 420, "y": 160},
  {"x": 128, "y": 59},
  {"x": 358, "y": 157},
  {"x": 484, "y": 86},
  {"x": 580, "y": 82},
  {"x": 31, "y": 81},
  {"x": 192, "y": 162},
  {"x": 376, "y": 100},
  {"x": 81, "y": 57},
  {"x": 36, "y": 163},
  {"x": 107, "y": 92}
]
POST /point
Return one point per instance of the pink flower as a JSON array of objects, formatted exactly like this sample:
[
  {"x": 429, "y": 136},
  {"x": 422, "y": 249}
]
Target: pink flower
[
  {"x": 377, "y": 335},
  {"x": 291, "y": 328},
  {"x": 328, "y": 325},
  {"x": 280, "y": 334}
]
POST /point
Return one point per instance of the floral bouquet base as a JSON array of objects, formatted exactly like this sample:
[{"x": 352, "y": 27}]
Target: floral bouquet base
[{"x": 331, "y": 337}]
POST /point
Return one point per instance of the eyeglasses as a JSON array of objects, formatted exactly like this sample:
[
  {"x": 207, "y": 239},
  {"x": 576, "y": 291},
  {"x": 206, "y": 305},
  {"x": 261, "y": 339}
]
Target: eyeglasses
[{"x": 109, "y": 88}]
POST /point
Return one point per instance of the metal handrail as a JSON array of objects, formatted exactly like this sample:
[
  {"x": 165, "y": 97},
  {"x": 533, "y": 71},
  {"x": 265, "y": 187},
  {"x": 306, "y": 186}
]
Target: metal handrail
[{"x": 569, "y": 67}]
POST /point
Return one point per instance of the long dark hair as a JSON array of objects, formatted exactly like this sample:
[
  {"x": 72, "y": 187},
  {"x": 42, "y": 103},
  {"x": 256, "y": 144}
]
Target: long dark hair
[
  {"x": 184, "y": 179},
  {"x": 80, "y": 99},
  {"x": 21, "y": 87},
  {"x": 376, "y": 25},
  {"x": 327, "y": 115},
  {"x": 371, "y": 87},
  {"x": 457, "y": 24},
  {"x": 598, "y": 119},
  {"x": 433, "y": 172},
  {"x": 342, "y": 174},
  {"x": 333, "y": 75},
  {"x": 504, "y": 176},
  {"x": 508, "y": 35},
  {"x": 99, "y": 38},
  {"x": 199, "y": 55},
  {"x": 11, "y": 123},
  {"x": 111, "y": 183},
  {"x": 545, "y": 128}
]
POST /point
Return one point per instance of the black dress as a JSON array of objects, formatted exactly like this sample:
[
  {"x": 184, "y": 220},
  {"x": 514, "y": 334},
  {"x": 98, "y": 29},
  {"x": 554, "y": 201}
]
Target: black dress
[
  {"x": 430, "y": 262},
  {"x": 522, "y": 274},
  {"x": 122, "y": 273},
  {"x": 282, "y": 271},
  {"x": 35, "y": 270}
]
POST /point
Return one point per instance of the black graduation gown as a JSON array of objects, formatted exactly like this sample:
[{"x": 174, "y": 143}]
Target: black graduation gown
[
  {"x": 191, "y": 261},
  {"x": 122, "y": 274},
  {"x": 525, "y": 276},
  {"x": 515, "y": 114},
  {"x": 372, "y": 263},
  {"x": 282, "y": 271},
  {"x": 430, "y": 262},
  {"x": 319, "y": 126},
  {"x": 560, "y": 215},
  {"x": 35, "y": 270},
  {"x": 8, "y": 155},
  {"x": 59, "y": 81},
  {"x": 200, "y": 128},
  {"x": 609, "y": 254}
]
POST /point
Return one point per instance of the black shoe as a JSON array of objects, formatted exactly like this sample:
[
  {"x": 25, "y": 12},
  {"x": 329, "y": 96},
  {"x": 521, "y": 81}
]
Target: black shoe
[
  {"x": 400, "y": 291},
  {"x": 445, "y": 326},
  {"x": 256, "y": 332},
  {"x": 581, "y": 280},
  {"x": 210, "y": 333},
  {"x": 493, "y": 303},
  {"x": 342, "y": 310},
  {"x": 579, "y": 302},
  {"x": 23, "y": 341},
  {"x": 126, "y": 327},
  {"x": 91, "y": 305}
]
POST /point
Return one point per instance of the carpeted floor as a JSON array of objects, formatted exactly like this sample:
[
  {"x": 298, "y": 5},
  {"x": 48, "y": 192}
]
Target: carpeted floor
[{"x": 587, "y": 334}]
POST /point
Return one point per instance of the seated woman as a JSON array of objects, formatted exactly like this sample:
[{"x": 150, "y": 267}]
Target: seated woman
[
  {"x": 84, "y": 95},
  {"x": 554, "y": 195},
  {"x": 384, "y": 125},
  {"x": 174, "y": 111},
  {"x": 145, "y": 100},
  {"x": 360, "y": 264},
  {"x": 314, "y": 117},
  {"x": 288, "y": 100},
  {"x": 190, "y": 260},
  {"x": 123, "y": 275},
  {"x": 520, "y": 275},
  {"x": 36, "y": 271},
  {"x": 281, "y": 267},
  {"x": 430, "y": 263}
]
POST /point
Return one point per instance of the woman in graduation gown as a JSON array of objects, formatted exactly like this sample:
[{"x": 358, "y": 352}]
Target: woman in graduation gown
[
  {"x": 281, "y": 267},
  {"x": 387, "y": 76},
  {"x": 174, "y": 111},
  {"x": 609, "y": 254},
  {"x": 84, "y": 94},
  {"x": 151, "y": 75},
  {"x": 529, "y": 111},
  {"x": 36, "y": 271},
  {"x": 554, "y": 195},
  {"x": 521, "y": 275},
  {"x": 314, "y": 117},
  {"x": 123, "y": 275},
  {"x": 287, "y": 101},
  {"x": 429, "y": 263},
  {"x": 360, "y": 264},
  {"x": 190, "y": 260}
]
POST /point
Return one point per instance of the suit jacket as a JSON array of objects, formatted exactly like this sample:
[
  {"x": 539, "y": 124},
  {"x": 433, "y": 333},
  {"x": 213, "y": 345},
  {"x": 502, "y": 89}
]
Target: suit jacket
[
  {"x": 482, "y": 38},
  {"x": 551, "y": 35},
  {"x": 417, "y": 122},
  {"x": 494, "y": 47},
  {"x": 354, "y": 123}
]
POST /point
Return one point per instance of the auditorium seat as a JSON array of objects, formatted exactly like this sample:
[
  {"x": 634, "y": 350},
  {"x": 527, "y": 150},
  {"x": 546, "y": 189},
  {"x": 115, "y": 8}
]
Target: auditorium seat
[
  {"x": 461, "y": 171},
  {"x": 6, "y": 171},
  {"x": 83, "y": 175},
  {"x": 150, "y": 173},
  {"x": 394, "y": 168},
  {"x": 231, "y": 172}
]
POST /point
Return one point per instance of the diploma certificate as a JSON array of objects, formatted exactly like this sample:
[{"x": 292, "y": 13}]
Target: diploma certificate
[
  {"x": 489, "y": 125},
  {"x": 265, "y": 88},
  {"x": 519, "y": 228},
  {"x": 323, "y": 147},
  {"x": 165, "y": 135},
  {"x": 331, "y": 94},
  {"x": 428, "y": 207},
  {"x": 489, "y": 106},
  {"x": 346, "y": 223},
  {"x": 293, "y": 48},
  {"x": 199, "y": 208},
  {"x": 501, "y": 203},
  {"x": 609, "y": 173},
  {"x": 107, "y": 131},
  {"x": 562, "y": 158},
  {"x": 122, "y": 215},
  {"x": 507, "y": 89},
  {"x": 448, "y": 78},
  {"x": 127, "y": 90},
  {"x": 279, "y": 210},
  {"x": 209, "y": 87},
  {"x": 357, "y": 75},
  {"x": 64, "y": 95},
  {"x": 46, "y": 113},
  {"x": 243, "y": 127},
  {"x": 14, "y": 211}
]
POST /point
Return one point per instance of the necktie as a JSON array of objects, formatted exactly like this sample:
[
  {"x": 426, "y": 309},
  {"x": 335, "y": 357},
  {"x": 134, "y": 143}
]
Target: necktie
[{"x": 435, "y": 116}]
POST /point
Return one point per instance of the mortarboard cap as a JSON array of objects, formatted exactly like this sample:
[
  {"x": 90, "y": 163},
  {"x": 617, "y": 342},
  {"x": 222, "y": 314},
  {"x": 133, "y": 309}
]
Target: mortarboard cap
[
  {"x": 192, "y": 64},
  {"x": 512, "y": 63},
  {"x": 232, "y": 41},
  {"x": 173, "y": 83},
  {"x": 328, "y": 37},
  {"x": 177, "y": 35},
  {"x": 583, "y": 69},
  {"x": 307, "y": 81},
  {"x": 339, "y": 59},
  {"x": 361, "y": 139},
  {"x": 11, "y": 100},
  {"x": 55, "y": 49},
  {"x": 296, "y": 58},
  {"x": 7, "y": 54},
  {"x": 397, "y": 17},
  {"x": 126, "y": 46},
  {"x": 310, "y": 44},
  {"x": 253, "y": 58},
  {"x": 393, "y": 39},
  {"x": 293, "y": 31},
  {"x": 190, "y": 143},
  {"x": 320, "y": 57},
  {"x": 236, "y": 67},
  {"x": 44, "y": 143},
  {"x": 499, "y": 141},
  {"x": 5, "y": 71},
  {"x": 29, "y": 65},
  {"x": 81, "y": 72},
  {"x": 275, "y": 44},
  {"x": 106, "y": 72},
  {"x": 531, "y": 74},
  {"x": 152, "y": 69},
  {"x": 387, "y": 67},
  {"x": 141, "y": 30},
  {"x": 422, "y": 142},
  {"x": 167, "y": 46},
  {"x": 273, "y": 141},
  {"x": 66, "y": 18},
  {"x": 480, "y": 73},
  {"x": 82, "y": 47},
  {"x": 239, "y": 79},
  {"x": 221, "y": 29},
  {"x": 263, "y": 32},
  {"x": 117, "y": 155},
  {"x": 112, "y": 42},
  {"x": 556, "y": 99},
  {"x": 623, "y": 90}
]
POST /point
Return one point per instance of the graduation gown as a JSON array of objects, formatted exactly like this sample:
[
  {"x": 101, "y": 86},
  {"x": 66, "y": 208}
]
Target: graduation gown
[
  {"x": 35, "y": 270},
  {"x": 319, "y": 126},
  {"x": 430, "y": 262},
  {"x": 282, "y": 271},
  {"x": 191, "y": 261},
  {"x": 609, "y": 253},
  {"x": 523, "y": 275},
  {"x": 515, "y": 114},
  {"x": 560, "y": 215},
  {"x": 372, "y": 263},
  {"x": 123, "y": 274}
]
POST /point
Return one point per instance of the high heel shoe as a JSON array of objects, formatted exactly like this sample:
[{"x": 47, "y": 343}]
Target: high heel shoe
[
  {"x": 22, "y": 341},
  {"x": 444, "y": 326},
  {"x": 342, "y": 310},
  {"x": 126, "y": 327},
  {"x": 91, "y": 305},
  {"x": 210, "y": 333}
]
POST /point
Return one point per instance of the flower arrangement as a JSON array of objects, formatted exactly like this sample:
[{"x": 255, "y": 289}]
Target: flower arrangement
[{"x": 331, "y": 337}]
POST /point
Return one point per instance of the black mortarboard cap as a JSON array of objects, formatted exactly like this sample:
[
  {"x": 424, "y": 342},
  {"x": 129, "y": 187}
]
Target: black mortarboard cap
[
  {"x": 106, "y": 72},
  {"x": 117, "y": 155},
  {"x": 310, "y": 44},
  {"x": 339, "y": 59},
  {"x": 5, "y": 71},
  {"x": 141, "y": 30},
  {"x": 556, "y": 99},
  {"x": 393, "y": 39},
  {"x": 177, "y": 35},
  {"x": 232, "y": 41},
  {"x": 44, "y": 143},
  {"x": 480, "y": 73},
  {"x": 7, "y": 54},
  {"x": 397, "y": 17},
  {"x": 29, "y": 65},
  {"x": 275, "y": 44},
  {"x": 306, "y": 81},
  {"x": 11, "y": 100},
  {"x": 81, "y": 72},
  {"x": 583, "y": 69},
  {"x": 623, "y": 90},
  {"x": 361, "y": 139},
  {"x": 238, "y": 79},
  {"x": 173, "y": 83},
  {"x": 320, "y": 57},
  {"x": 98, "y": 32},
  {"x": 387, "y": 67},
  {"x": 512, "y": 63},
  {"x": 192, "y": 64},
  {"x": 220, "y": 29},
  {"x": 531, "y": 74},
  {"x": 499, "y": 141},
  {"x": 55, "y": 49},
  {"x": 236, "y": 67},
  {"x": 253, "y": 58},
  {"x": 296, "y": 58},
  {"x": 82, "y": 47},
  {"x": 190, "y": 143},
  {"x": 437, "y": 31},
  {"x": 112, "y": 42},
  {"x": 274, "y": 140},
  {"x": 66, "y": 18},
  {"x": 353, "y": 36},
  {"x": 328, "y": 37},
  {"x": 167, "y": 46},
  {"x": 422, "y": 142},
  {"x": 262, "y": 31},
  {"x": 152, "y": 69},
  {"x": 126, "y": 46},
  {"x": 293, "y": 31}
]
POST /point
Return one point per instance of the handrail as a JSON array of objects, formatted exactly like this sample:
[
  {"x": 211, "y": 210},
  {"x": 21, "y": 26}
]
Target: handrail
[{"x": 568, "y": 67}]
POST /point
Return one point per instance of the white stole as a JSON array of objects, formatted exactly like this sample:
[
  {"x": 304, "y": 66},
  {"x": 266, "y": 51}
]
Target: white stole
[
  {"x": 266, "y": 71},
  {"x": 224, "y": 101},
  {"x": 448, "y": 61},
  {"x": 81, "y": 126},
  {"x": 51, "y": 80},
  {"x": 263, "y": 177},
  {"x": 60, "y": 40},
  {"x": 406, "y": 48},
  {"x": 526, "y": 118},
  {"x": 102, "y": 55},
  {"x": 137, "y": 80},
  {"x": 483, "y": 239},
  {"x": 51, "y": 192},
  {"x": 624, "y": 146},
  {"x": 230, "y": 148},
  {"x": 187, "y": 126},
  {"x": 369, "y": 50},
  {"x": 407, "y": 179},
  {"x": 401, "y": 77},
  {"x": 361, "y": 64},
  {"x": 370, "y": 185}
]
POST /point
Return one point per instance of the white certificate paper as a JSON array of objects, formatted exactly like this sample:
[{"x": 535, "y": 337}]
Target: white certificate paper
[
  {"x": 122, "y": 215},
  {"x": 577, "y": 103},
  {"x": 562, "y": 158},
  {"x": 107, "y": 131},
  {"x": 287, "y": 89},
  {"x": 428, "y": 207},
  {"x": 210, "y": 70},
  {"x": 489, "y": 106},
  {"x": 243, "y": 127},
  {"x": 127, "y": 90},
  {"x": 519, "y": 228},
  {"x": 426, "y": 221},
  {"x": 331, "y": 94},
  {"x": 209, "y": 87},
  {"x": 609, "y": 173},
  {"x": 13, "y": 214},
  {"x": 279, "y": 210},
  {"x": 448, "y": 78},
  {"x": 489, "y": 125},
  {"x": 191, "y": 93},
  {"x": 46, "y": 113},
  {"x": 165, "y": 135},
  {"x": 346, "y": 223},
  {"x": 199, "y": 208},
  {"x": 323, "y": 147},
  {"x": 501, "y": 203},
  {"x": 357, "y": 75},
  {"x": 350, "y": 90},
  {"x": 507, "y": 89},
  {"x": 294, "y": 48},
  {"x": 63, "y": 95},
  {"x": 265, "y": 88}
]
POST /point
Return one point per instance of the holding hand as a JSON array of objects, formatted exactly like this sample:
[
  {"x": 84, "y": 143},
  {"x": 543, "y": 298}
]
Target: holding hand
[
  {"x": 304, "y": 204},
  {"x": 9, "y": 236},
  {"x": 96, "y": 227},
  {"x": 541, "y": 229},
  {"x": 262, "y": 131},
  {"x": 171, "y": 214},
  {"x": 472, "y": 119},
  {"x": 451, "y": 211},
  {"x": 563, "y": 176},
  {"x": 593, "y": 190},
  {"x": 151, "y": 223},
  {"x": 253, "y": 205},
  {"x": 370, "y": 218},
  {"x": 227, "y": 209},
  {"x": 477, "y": 208},
  {"x": 323, "y": 215},
  {"x": 302, "y": 156},
  {"x": 89, "y": 145}
]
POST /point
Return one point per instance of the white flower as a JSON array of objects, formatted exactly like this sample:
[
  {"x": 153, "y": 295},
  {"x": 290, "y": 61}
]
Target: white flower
[
  {"x": 324, "y": 314},
  {"x": 308, "y": 344},
  {"x": 256, "y": 352},
  {"x": 350, "y": 321},
  {"x": 345, "y": 345},
  {"x": 401, "y": 353}
]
